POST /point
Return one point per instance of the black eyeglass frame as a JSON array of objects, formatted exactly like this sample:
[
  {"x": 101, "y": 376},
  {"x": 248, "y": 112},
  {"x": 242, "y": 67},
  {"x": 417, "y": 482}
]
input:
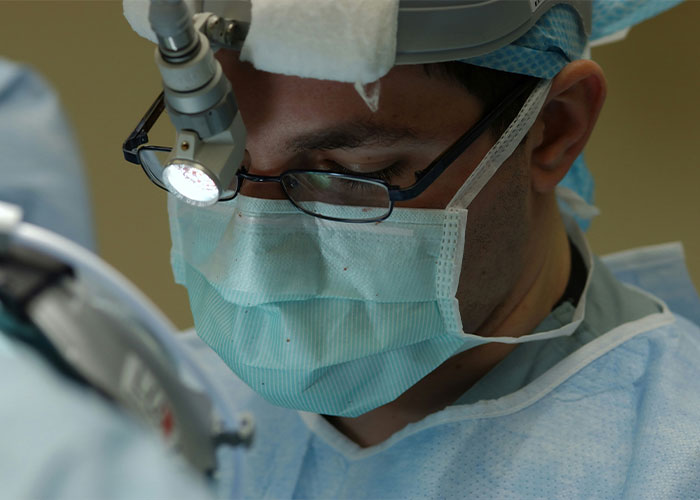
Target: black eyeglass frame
[{"x": 134, "y": 145}]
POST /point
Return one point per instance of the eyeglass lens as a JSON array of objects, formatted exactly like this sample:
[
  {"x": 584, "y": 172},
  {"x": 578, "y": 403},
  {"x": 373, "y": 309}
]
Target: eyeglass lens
[
  {"x": 324, "y": 194},
  {"x": 337, "y": 196},
  {"x": 152, "y": 160}
]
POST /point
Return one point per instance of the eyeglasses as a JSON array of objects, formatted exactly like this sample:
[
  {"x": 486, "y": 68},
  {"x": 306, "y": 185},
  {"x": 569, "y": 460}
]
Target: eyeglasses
[{"x": 321, "y": 193}]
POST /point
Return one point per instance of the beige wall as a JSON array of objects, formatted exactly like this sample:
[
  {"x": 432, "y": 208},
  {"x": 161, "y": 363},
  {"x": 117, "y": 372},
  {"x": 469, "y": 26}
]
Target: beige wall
[{"x": 644, "y": 153}]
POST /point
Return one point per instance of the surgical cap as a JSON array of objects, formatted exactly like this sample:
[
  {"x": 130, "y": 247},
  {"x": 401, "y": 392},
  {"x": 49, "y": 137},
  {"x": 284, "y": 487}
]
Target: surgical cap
[
  {"x": 555, "y": 40},
  {"x": 558, "y": 37}
]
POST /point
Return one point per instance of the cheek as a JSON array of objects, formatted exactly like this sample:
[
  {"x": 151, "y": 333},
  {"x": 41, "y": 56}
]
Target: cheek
[
  {"x": 498, "y": 229},
  {"x": 498, "y": 223}
]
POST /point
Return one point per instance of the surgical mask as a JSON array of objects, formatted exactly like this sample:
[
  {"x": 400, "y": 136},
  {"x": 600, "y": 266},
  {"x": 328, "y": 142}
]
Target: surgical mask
[{"x": 326, "y": 316}]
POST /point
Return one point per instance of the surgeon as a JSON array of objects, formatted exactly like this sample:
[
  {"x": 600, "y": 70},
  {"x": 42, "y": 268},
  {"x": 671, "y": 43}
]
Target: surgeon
[{"x": 406, "y": 308}]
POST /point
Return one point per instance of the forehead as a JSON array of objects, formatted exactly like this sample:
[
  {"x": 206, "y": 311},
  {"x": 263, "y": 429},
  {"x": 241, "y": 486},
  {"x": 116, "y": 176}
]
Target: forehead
[{"x": 283, "y": 105}]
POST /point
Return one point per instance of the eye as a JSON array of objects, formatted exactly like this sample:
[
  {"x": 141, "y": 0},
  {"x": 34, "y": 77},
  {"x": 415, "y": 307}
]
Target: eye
[{"x": 389, "y": 173}]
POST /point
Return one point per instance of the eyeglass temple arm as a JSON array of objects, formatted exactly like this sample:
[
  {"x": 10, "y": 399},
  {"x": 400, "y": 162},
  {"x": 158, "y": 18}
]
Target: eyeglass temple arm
[
  {"x": 140, "y": 134},
  {"x": 428, "y": 175}
]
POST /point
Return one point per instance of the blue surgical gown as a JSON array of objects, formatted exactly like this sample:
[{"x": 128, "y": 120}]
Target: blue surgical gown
[
  {"x": 617, "y": 418},
  {"x": 40, "y": 165},
  {"x": 58, "y": 440}
]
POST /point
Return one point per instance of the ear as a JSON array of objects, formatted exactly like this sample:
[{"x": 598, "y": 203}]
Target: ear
[{"x": 566, "y": 122}]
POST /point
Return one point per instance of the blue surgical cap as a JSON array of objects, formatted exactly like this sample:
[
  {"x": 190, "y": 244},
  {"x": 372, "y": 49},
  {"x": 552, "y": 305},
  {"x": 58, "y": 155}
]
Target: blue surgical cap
[
  {"x": 558, "y": 36},
  {"x": 557, "y": 39}
]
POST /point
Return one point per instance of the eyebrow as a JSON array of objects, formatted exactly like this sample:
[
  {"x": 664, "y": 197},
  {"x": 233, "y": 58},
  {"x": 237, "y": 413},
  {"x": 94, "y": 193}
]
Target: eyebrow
[{"x": 350, "y": 135}]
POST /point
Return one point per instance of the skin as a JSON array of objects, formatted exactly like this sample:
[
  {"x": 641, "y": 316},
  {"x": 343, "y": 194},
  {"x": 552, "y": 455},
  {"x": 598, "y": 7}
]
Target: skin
[{"x": 517, "y": 259}]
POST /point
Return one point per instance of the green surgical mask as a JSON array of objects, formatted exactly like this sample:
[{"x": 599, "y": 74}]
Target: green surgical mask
[{"x": 331, "y": 317}]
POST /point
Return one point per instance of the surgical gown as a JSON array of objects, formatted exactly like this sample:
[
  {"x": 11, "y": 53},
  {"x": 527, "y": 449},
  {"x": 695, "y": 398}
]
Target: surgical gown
[
  {"x": 41, "y": 167},
  {"x": 617, "y": 418},
  {"x": 59, "y": 440}
]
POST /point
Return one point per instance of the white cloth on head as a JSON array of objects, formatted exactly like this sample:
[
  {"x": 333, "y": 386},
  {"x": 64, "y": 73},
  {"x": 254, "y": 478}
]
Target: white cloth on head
[{"x": 343, "y": 40}]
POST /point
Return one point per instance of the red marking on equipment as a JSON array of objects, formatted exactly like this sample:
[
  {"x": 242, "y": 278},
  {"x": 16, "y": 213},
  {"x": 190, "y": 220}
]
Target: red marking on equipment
[{"x": 167, "y": 423}]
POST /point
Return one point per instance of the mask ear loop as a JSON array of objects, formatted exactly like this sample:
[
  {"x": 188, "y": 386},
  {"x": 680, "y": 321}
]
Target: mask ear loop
[{"x": 504, "y": 147}]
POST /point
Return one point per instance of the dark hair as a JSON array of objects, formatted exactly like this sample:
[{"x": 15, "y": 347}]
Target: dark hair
[{"x": 487, "y": 85}]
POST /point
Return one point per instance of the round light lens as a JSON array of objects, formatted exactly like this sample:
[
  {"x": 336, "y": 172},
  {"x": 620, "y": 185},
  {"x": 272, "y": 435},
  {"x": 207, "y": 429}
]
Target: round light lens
[{"x": 190, "y": 182}]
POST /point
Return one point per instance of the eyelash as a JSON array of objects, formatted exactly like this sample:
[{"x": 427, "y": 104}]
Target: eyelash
[{"x": 385, "y": 174}]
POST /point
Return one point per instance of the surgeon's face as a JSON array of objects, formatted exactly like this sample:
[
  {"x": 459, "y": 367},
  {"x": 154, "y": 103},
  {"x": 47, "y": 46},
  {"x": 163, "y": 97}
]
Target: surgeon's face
[{"x": 304, "y": 123}]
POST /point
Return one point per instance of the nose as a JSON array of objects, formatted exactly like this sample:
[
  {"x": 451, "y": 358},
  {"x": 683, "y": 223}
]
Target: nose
[{"x": 270, "y": 190}]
